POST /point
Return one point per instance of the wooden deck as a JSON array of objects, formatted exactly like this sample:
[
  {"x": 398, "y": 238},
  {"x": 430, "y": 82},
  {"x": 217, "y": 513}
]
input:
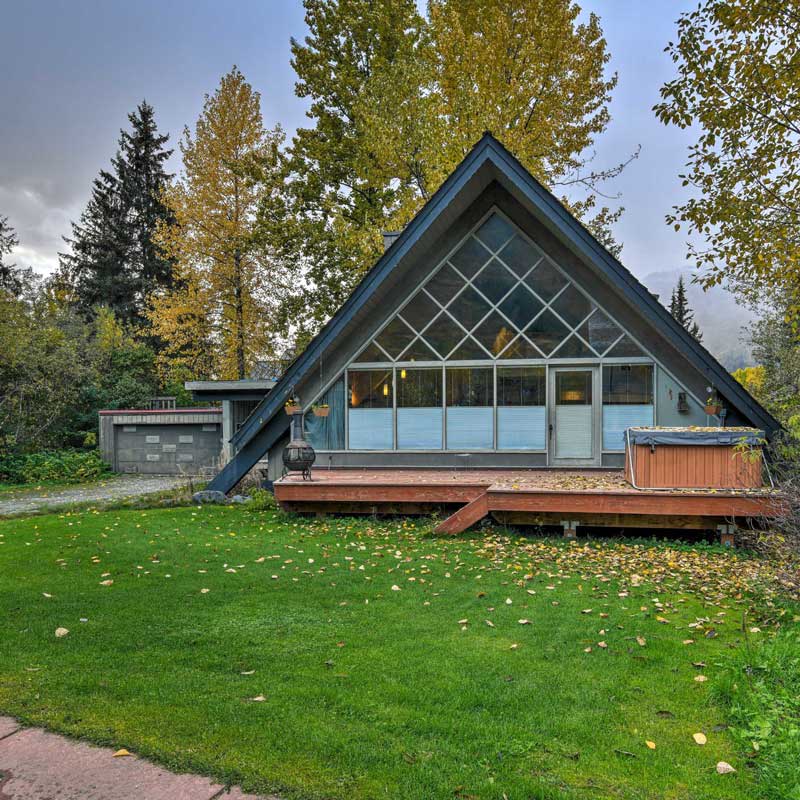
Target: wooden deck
[{"x": 568, "y": 498}]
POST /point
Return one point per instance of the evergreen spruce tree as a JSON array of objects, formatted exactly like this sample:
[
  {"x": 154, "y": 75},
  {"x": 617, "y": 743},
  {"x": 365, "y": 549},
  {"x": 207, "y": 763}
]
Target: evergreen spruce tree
[
  {"x": 114, "y": 260},
  {"x": 679, "y": 308},
  {"x": 13, "y": 279}
]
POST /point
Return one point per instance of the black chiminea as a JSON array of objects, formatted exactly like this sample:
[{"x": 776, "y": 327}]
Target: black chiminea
[{"x": 299, "y": 455}]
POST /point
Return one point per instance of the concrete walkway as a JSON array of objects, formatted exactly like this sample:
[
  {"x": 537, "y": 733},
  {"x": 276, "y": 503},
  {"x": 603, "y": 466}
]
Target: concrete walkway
[
  {"x": 37, "y": 765},
  {"x": 118, "y": 487}
]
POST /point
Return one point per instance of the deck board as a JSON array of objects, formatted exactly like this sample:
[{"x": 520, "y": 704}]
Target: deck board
[{"x": 581, "y": 494}]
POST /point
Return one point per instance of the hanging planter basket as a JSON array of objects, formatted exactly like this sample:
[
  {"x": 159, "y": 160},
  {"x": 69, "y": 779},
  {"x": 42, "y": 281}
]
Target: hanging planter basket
[
  {"x": 713, "y": 409},
  {"x": 321, "y": 411},
  {"x": 293, "y": 407}
]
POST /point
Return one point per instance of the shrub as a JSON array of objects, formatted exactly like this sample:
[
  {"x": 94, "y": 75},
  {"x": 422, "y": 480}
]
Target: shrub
[
  {"x": 63, "y": 466},
  {"x": 760, "y": 686},
  {"x": 261, "y": 500}
]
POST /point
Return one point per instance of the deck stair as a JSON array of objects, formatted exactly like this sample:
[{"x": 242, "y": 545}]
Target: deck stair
[{"x": 467, "y": 515}]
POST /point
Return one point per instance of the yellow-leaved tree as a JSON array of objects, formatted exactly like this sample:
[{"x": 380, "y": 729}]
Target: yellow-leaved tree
[{"x": 217, "y": 321}]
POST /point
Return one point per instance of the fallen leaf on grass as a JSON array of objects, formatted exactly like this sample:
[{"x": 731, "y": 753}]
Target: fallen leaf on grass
[
  {"x": 109, "y": 582},
  {"x": 524, "y": 621},
  {"x": 248, "y": 672},
  {"x": 61, "y": 632},
  {"x": 513, "y": 646},
  {"x": 651, "y": 745},
  {"x": 724, "y": 768},
  {"x": 700, "y": 738},
  {"x": 122, "y": 753},
  {"x": 395, "y": 588},
  {"x": 45, "y": 594},
  {"x": 205, "y": 591},
  {"x": 700, "y": 678},
  {"x": 489, "y": 623},
  {"x": 463, "y": 621},
  {"x": 688, "y": 641},
  {"x": 641, "y": 641},
  {"x": 259, "y": 698},
  {"x": 602, "y": 644}
]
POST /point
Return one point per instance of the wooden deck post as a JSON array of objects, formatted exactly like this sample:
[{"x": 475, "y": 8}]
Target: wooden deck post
[
  {"x": 727, "y": 535},
  {"x": 570, "y": 528}
]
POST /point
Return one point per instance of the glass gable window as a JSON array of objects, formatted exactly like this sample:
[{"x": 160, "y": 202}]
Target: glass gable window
[
  {"x": 470, "y": 408},
  {"x": 627, "y": 401},
  {"x": 419, "y": 409},
  {"x": 370, "y": 404},
  {"x": 461, "y": 366},
  {"x": 521, "y": 414}
]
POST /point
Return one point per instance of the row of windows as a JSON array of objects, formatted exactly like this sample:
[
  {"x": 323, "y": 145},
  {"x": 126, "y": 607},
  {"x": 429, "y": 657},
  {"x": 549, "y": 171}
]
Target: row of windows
[
  {"x": 464, "y": 408},
  {"x": 623, "y": 384}
]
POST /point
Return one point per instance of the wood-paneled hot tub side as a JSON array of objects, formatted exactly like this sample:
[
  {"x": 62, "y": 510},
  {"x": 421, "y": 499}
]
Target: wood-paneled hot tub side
[{"x": 694, "y": 458}]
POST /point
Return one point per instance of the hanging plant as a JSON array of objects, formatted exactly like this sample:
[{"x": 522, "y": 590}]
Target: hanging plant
[
  {"x": 321, "y": 409},
  {"x": 293, "y": 406},
  {"x": 713, "y": 406}
]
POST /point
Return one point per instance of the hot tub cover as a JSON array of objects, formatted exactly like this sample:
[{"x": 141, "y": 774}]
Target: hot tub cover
[{"x": 696, "y": 436}]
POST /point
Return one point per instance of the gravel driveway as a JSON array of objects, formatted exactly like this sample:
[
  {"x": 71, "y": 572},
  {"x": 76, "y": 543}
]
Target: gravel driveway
[{"x": 117, "y": 488}]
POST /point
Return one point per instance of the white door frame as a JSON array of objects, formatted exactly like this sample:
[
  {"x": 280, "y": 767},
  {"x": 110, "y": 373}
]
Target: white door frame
[{"x": 596, "y": 458}]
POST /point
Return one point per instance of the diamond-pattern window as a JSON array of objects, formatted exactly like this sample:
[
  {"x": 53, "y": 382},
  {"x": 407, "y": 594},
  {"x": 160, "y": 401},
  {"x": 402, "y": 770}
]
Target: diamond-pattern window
[
  {"x": 469, "y": 350},
  {"x": 419, "y": 311},
  {"x": 395, "y": 337},
  {"x": 521, "y": 348},
  {"x": 546, "y": 281},
  {"x": 520, "y": 306},
  {"x": 470, "y": 257},
  {"x": 519, "y": 256},
  {"x": 418, "y": 351},
  {"x": 469, "y": 308},
  {"x": 443, "y": 334},
  {"x": 547, "y": 332},
  {"x": 572, "y": 305},
  {"x": 495, "y": 232},
  {"x": 494, "y": 280},
  {"x": 515, "y": 304},
  {"x": 495, "y": 333},
  {"x": 444, "y": 284},
  {"x": 372, "y": 353},
  {"x": 600, "y": 332}
]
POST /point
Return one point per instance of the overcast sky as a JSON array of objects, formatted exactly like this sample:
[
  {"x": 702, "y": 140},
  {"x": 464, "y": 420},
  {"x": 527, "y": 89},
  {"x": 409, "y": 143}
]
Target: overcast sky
[{"x": 71, "y": 71}]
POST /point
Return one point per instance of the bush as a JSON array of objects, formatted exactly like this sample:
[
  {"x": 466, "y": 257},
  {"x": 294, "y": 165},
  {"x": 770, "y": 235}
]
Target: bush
[
  {"x": 261, "y": 500},
  {"x": 62, "y": 466},
  {"x": 761, "y": 688}
]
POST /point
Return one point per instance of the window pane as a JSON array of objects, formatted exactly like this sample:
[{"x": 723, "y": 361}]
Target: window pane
[
  {"x": 444, "y": 284},
  {"x": 495, "y": 232},
  {"x": 494, "y": 281},
  {"x": 419, "y": 409},
  {"x": 419, "y": 388},
  {"x": 625, "y": 348},
  {"x": 519, "y": 255},
  {"x": 327, "y": 433},
  {"x": 469, "y": 350},
  {"x": 443, "y": 334},
  {"x": 418, "y": 351},
  {"x": 469, "y": 308},
  {"x": 546, "y": 281},
  {"x": 572, "y": 306},
  {"x": 370, "y": 388},
  {"x": 628, "y": 384},
  {"x": 469, "y": 387},
  {"x": 546, "y": 332},
  {"x": 574, "y": 348},
  {"x": 373, "y": 353},
  {"x": 520, "y": 306},
  {"x": 521, "y": 386},
  {"x": 521, "y": 428},
  {"x": 370, "y": 413},
  {"x": 495, "y": 333},
  {"x": 600, "y": 332},
  {"x": 574, "y": 388},
  {"x": 470, "y": 257},
  {"x": 419, "y": 311},
  {"x": 395, "y": 337},
  {"x": 520, "y": 348}
]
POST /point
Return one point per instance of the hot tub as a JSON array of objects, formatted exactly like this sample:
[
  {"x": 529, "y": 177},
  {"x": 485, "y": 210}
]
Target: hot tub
[{"x": 694, "y": 458}]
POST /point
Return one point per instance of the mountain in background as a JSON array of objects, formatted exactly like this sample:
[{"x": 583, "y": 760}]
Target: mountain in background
[{"x": 721, "y": 320}]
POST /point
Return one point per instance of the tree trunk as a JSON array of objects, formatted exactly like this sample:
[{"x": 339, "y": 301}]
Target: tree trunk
[{"x": 239, "y": 311}]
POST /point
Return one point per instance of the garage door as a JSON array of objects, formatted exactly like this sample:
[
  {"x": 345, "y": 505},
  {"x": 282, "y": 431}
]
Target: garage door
[{"x": 167, "y": 449}]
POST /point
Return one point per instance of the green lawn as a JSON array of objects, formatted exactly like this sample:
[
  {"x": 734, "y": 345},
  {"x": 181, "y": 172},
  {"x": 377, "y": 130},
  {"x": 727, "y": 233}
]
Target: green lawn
[{"x": 345, "y": 659}]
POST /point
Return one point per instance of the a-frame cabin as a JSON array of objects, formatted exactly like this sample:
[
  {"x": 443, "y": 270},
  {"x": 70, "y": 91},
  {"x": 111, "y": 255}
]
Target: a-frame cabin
[{"x": 495, "y": 333}]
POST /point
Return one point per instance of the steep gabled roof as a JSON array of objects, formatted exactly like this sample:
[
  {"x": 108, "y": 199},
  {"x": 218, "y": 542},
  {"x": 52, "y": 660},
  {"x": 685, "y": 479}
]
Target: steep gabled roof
[{"x": 260, "y": 432}]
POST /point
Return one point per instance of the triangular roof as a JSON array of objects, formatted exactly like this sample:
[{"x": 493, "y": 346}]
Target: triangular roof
[{"x": 256, "y": 435}]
